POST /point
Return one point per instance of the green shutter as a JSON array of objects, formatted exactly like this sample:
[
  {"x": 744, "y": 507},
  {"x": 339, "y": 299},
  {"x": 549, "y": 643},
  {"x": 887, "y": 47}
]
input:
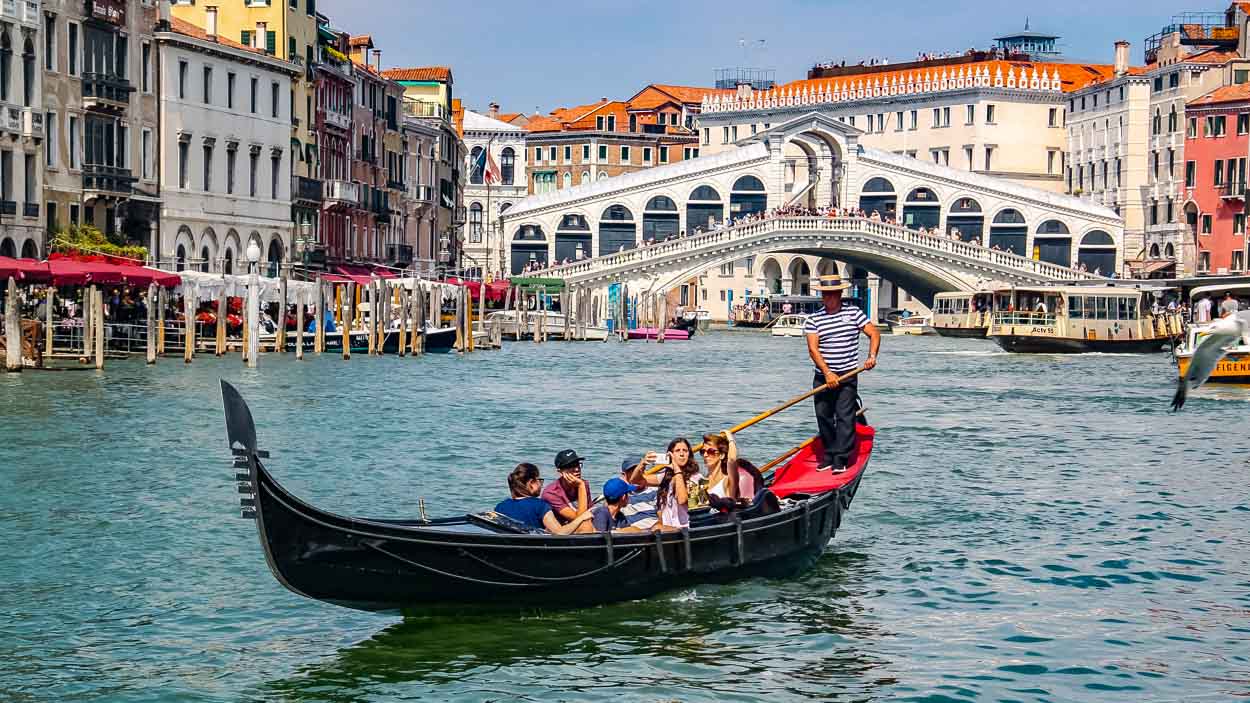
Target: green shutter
[
  {"x": 246, "y": 38},
  {"x": 271, "y": 43}
]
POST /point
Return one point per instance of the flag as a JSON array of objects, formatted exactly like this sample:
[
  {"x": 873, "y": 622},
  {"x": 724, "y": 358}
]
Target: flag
[{"x": 491, "y": 172}]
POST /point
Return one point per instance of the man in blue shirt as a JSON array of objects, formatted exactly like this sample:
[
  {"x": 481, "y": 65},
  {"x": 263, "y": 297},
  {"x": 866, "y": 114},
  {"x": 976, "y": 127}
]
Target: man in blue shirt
[
  {"x": 525, "y": 484},
  {"x": 833, "y": 344}
]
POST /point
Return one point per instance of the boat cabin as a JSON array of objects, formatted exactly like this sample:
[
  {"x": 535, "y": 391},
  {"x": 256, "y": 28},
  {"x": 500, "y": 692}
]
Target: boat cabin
[
  {"x": 962, "y": 314},
  {"x": 1056, "y": 319}
]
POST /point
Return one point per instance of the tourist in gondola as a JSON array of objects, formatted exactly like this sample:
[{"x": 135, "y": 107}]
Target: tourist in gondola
[
  {"x": 524, "y": 484},
  {"x": 720, "y": 461},
  {"x": 833, "y": 345},
  {"x": 568, "y": 495},
  {"x": 640, "y": 511},
  {"x": 610, "y": 517},
  {"x": 676, "y": 485}
]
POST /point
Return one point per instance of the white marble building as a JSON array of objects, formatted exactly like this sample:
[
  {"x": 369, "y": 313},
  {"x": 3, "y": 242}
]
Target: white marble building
[
  {"x": 484, "y": 203},
  {"x": 225, "y": 150}
]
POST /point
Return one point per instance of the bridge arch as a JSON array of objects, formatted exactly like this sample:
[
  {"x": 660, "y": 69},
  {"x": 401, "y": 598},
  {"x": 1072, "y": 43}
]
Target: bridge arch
[
  {"x": 529, "y": 245},
  {"x": 800, "y": 277},
  {"x": 617, "y": 229}
]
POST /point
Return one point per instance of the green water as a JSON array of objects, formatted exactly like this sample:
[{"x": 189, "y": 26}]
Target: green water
[{"x": 1032, "y": 528}]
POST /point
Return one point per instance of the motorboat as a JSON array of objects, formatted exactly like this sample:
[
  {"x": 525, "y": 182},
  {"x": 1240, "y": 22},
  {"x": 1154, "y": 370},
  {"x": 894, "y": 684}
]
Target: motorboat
[
  {"x": 789, "y": 326},
  {"x": 911, "y": 325},
  {"x": 553, "y": 325}
]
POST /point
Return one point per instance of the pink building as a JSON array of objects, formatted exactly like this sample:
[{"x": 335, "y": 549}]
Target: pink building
[{"x": 1217, "y": 142}]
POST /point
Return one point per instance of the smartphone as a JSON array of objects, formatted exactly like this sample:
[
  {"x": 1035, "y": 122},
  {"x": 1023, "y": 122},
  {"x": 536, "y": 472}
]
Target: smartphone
[{"x": 663, "y": 459}]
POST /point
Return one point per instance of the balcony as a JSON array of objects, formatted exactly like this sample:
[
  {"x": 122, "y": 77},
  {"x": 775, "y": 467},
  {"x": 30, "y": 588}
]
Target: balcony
[
  {"x": 30, "y": 210},
  {"x": 420, "y": 193},
  {"x": 342, "y": 193},
  {"x": 400, "y": 254},
  {"x": 415, "y": 108},
  {"x": 396, "y": 185},
  {"x": 337, "y": 120},
  {"x": 105, "y": 92},
  {"x": 1233, "y": 190},
  {"x": 32, "y": 123},
  {"x": 8, "y": 207},
  {"x": 13, "y": 120},
  {"x": 306, "y": 189},
  {"x": 22, "y": 11},
  {"x": 99, "y": 180}
]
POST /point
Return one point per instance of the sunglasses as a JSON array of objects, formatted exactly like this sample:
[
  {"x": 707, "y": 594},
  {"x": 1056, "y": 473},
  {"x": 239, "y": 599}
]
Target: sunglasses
[{"x": 711, "y": 450}]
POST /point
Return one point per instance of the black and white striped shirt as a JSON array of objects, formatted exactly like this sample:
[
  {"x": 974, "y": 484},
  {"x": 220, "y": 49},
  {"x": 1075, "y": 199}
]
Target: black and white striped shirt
[{"x": 839, "y": 336}]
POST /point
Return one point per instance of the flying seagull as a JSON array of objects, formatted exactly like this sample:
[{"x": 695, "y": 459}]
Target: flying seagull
[{"x": 1221, "y": 335}]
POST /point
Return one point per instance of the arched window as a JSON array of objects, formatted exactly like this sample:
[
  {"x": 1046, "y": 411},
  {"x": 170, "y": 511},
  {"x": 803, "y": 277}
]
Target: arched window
[
  {"x": 475, "y": 223},
  {"x": 1098, "y": 253},
  {"x": 30, "y": 250},
  {"x": 577, "y": 222},
  {"x": 6, "y": 63},
  {"x": 1009, "y": 216},
  {"x": 180, "y": 258},
  {"x": 1052, "y": 227},
  {"x": 568, "y": 179},
  {"x": 8, "y": 248},
  {"x": 476, "y": 164},
  {"x": 922, "y": 195},
  {"x": 705, "y": 193},
  {"x": 1097, "y": 238},
  {"x": 877, "y": 185},
  {"x": 1169, "y": 252},
  {"x": 922, "y": 209},
  {"x": 1172, "y": 120},
  {"x": 659, "y": 218},
  {"x": 275, "y": 257},
  {"x": 529, "y": 233},
  {"x": 572, "y": 238},
  {"x": 966, "y": 220},
  {"x": 1008, "y": 232},
  {"x": 661, "y": 202},
  {"x": 618, "y": 213},
  {"x": 603, "y": 175},
  {"x": 507, "y": 165},
  {"x": 749, "y": 184},
  {"x": 227, "y": 266},
  {"x": 204, "y": 259},
  {"x": 529, "y": 245},
  {"x": 965, "y": 206},
  {"x": 585, "y": 177},
  {"x": 1053, "y": 243},
  {"x": 504, "y": 208},
  {"x": 1157, "y": 124},
  {"x": 1154, "y": 251},
  {"x": 617, "y": 231}
]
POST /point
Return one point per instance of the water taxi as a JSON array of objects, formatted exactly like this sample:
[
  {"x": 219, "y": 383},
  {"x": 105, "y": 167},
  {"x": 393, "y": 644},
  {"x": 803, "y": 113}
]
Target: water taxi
[
  {"x": 911, "y": 325},
  {"x": 789, "y": 326},
  {"x": 962, "y": 314},
  {"x": 1079, "y": 319},
  {"x": 1235, "y": 366}
]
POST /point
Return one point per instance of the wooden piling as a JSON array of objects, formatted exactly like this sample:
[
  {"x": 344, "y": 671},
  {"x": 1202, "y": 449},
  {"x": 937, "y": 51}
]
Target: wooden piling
[
  {"x": 468, "y": 319},
  {"x": 371, "y": 327},
  {"x": 161, "y": 303},
  {"x": 319, "y": 341},
  {"x": 88, "y": 306},
  {"x": 420, "y": 308},
  {"x": 404, "y": 300},
  {"x": 662, "y": 315},
  {"x": 345, "y": 328},
  {"x": 222, "y": 311},
  {"x": 150, "y": 345},
  {"x": 12, "y": 328},
  {"x": 299, "y": 330},
  {"x": 280, "y": 334},
  {"x": 188, "y": 323},
  {"x": 97, "y": 335}
]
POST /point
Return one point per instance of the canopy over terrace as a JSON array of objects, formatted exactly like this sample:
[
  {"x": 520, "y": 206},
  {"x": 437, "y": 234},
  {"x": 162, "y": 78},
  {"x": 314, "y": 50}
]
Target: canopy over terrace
[{"x": 78, "y": 272}]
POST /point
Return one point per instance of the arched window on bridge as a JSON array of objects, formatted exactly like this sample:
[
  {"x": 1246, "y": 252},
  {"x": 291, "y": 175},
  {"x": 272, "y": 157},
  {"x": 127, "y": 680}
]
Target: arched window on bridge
[
  {"x": 475, "y": 166},
  {"x": 1009, "y": 232},
  {"x": 529, "y": 245},
  {"x": 747, "y": 197},
  {"x": 704, "y": 209},
  {"x": 966, "y": 218},
  {"x": 617, "y": 230},
  {"x": 1098, "y": 252},
  {"x": 1053, "y": 243},
  {"x": 659, "y": 218},
  {"x": 878, "y": 196},
  {"x": 572, "y": 239},
  {"x": 922, "y": 209}
]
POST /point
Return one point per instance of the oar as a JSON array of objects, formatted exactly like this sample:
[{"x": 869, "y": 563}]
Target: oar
[{"x": 769, "y": 413}]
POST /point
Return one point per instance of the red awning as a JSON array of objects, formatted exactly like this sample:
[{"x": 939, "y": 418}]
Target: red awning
[
  {"x": 495, "y": 291},
  {"x": 357, "y": 272},
  {"x": 24, "y": 270},
  {"x": 73, "y": 272}
]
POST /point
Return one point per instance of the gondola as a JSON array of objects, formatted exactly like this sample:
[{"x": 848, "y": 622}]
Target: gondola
[{"x": 461, "y": 563}]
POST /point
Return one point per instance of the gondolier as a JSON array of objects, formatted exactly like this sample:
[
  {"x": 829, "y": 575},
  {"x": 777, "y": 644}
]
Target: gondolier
[{"x": 833, "y": 344}]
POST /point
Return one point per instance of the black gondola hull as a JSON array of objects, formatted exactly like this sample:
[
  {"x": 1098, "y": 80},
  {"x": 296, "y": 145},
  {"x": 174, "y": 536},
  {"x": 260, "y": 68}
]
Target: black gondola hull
[{"x": 962, "y": 332}]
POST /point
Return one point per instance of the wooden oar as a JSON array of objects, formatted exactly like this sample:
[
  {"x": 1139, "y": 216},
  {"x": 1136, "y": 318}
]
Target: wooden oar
[{"x": 769, "y": 413}]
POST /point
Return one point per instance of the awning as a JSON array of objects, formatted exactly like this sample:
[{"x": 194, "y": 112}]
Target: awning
[
  {"x": 532, "y": 283},
  {"x": 23, "y": 270},
  {"x": 495, "y": 291},
  {"x": 106, "y": 270},
  {"x": 1146, "y": 267}
]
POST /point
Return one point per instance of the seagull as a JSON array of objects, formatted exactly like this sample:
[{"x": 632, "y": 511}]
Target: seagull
[{"x": 1220, "y": 336}]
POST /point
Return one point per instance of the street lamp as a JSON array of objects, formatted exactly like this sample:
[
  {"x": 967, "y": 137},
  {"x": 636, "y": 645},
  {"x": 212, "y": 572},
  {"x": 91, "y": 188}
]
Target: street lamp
[{"x": 253, "y": 255}]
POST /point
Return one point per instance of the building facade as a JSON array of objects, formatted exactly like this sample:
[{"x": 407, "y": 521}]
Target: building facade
[
  {"x": 1217, "y": 143},
  {"x": 374, "y": 236},
  {"x": 22, "y": 52},
  {"x": 484, "y": 201},
  {"x": 100, "y": 118},
  {"x": 224, "y": 145},
  {"x": 285, "y": 29},
  {"x": 419, "y": 212}
]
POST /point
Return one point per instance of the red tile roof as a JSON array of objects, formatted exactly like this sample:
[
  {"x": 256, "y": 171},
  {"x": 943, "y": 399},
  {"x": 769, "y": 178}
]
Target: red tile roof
[
  {"x": 1223, "y": 94},
  {"x": 362, "y": 40},
  {"x": 196, "y": 32},
  {"x": 1073, "y": 76},
  {"x": 439, "y": 74},
  {"x": 657, "y": 94}
]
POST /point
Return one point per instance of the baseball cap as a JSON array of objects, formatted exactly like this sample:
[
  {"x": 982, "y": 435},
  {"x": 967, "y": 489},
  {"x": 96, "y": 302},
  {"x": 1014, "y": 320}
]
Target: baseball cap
[
  {"x": 567, "y": 458},
  {"x": 629, "y": 462},
  {"x": 615, "y": 488}
]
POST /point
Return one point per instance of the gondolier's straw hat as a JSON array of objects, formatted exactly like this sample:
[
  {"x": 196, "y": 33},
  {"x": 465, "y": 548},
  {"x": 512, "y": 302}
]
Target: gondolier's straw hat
[{"x": 831, "y": 281}]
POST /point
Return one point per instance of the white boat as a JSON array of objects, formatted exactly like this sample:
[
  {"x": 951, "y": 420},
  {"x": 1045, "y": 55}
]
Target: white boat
[
  {"x": 789, "y": 326},
  {"x": 914, "y": 324},
  {"x": 553, "y": 326}
]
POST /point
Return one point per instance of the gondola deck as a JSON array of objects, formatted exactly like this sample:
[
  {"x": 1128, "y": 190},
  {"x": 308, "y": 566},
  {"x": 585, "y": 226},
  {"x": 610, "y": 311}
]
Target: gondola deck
[{"x": 413, "y": 565}]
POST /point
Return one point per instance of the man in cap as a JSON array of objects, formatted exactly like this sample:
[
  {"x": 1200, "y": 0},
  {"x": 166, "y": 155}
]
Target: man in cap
[
  {"x": 833, "y": 345},
  {"x": 568, "y": 495}
]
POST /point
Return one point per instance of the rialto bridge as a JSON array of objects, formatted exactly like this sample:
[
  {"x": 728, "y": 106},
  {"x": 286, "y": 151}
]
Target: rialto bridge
[{"x": 662, "y": 226}]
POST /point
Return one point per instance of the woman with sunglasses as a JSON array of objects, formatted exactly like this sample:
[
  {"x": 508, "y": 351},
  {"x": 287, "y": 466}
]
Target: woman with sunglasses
[
  {"x": 725, "y": 479},
  {"x": 525, "y": 484}
]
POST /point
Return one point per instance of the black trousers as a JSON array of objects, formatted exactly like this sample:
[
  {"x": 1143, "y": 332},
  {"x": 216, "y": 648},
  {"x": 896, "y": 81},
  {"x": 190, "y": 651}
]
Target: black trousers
[{"x": 835, "y": 419}]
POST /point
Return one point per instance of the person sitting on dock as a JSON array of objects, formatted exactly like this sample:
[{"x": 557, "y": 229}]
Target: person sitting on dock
[
  {"x": 568, "y": 495},
  {"x": 524, "y": 484},
  {"x": 610, "y": 517}
]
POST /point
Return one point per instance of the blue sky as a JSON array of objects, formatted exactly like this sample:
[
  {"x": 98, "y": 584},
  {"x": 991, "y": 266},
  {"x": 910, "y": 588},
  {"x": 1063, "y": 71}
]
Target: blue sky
[{"x": 529, "y": 54}]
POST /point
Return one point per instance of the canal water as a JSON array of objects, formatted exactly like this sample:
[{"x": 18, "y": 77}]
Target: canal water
[{"x": 1032, "y": 528}]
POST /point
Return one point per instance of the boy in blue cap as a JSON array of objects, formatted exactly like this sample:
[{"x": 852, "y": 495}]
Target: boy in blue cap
[{"x": 609, "y": 516}]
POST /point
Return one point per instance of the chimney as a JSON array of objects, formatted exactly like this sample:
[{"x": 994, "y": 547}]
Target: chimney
[
  {"x": 1121, "y": 57},
  {"x": 163, "y": 15},
  {"x": 258, "y": 37},
  {"x": 493, "y": 113},
  {"x": 210, "y": 23},
  {"x": 377, "y": 60}
]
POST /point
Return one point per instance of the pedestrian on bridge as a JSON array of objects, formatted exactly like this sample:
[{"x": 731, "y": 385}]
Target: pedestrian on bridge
[{"x": 833, "y": 344}]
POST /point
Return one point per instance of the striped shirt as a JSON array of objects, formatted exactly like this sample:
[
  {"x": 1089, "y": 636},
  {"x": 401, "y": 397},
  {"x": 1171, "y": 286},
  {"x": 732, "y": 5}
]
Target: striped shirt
[{"x": 839, "y": 336}]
